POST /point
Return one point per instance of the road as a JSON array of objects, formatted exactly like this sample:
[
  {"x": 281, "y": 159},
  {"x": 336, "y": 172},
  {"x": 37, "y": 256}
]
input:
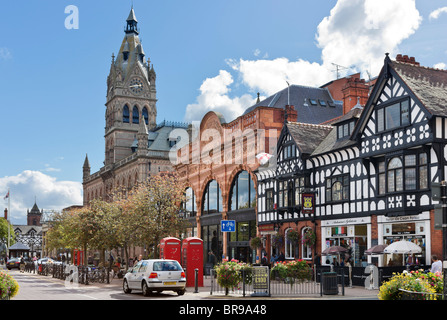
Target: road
[{"x": 38, "y": 287}]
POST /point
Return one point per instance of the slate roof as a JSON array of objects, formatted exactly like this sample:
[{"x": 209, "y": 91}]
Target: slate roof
[
  {"x": 19, "y": 246},
  {"x": 307, "y": 136},
  {"x": 299, "y": 97},
  {"x": 428, "y": 84}
]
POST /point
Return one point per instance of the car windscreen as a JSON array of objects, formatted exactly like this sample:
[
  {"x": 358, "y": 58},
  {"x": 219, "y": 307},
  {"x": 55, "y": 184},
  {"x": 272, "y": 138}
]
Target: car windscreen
[{"x": 167, "y": 266}]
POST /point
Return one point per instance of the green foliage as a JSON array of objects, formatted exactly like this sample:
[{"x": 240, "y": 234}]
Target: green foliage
[
  {"x": 229, "y": 273},
  {"x": 292, "y": 270}
]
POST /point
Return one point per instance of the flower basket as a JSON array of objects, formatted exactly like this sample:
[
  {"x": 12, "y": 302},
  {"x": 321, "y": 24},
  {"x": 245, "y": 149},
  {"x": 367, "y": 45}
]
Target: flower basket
[
  {"x": 255, "y": 243},
  {"x": 309, "y": 238},
  {"x": 292, "y": 236},
  {"x": 8, "y": 286},
  {"x": 277, "y": 241}
]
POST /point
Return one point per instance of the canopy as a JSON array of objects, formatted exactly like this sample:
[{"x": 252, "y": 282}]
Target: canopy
[{"x": 403, "y": 247}]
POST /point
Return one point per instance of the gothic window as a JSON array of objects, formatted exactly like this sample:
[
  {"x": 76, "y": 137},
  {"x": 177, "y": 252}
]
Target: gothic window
[
  {"x": 212, "y": 199},
  {"x": 126, "y": 114},
  {"x": 243, "y": 194},
  {"x": 145, "y": 115},
  {"x": 135, "y": 115},
  {"x": 393, "y": 116},
  {"x": 337, "y": 188},
  {"x": 306, "y": 249}
]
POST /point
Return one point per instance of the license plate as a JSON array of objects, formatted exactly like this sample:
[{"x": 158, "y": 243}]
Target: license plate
[
  {"x": 11, "y": 263},
  {"x": 170, "y": 283}
]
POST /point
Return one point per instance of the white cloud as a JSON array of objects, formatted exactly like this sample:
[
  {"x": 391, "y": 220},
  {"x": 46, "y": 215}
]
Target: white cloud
[
  {"x": 50, "y": 193},
  {"x": 214, "y": 97},
  {"x": 5, "y": 54},
  {"x": 435, "y": 14},
  {"x": 440, "y": 65},
  {"x": 356, "y": 34}
]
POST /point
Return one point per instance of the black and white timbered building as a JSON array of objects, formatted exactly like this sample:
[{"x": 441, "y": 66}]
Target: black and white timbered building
[{"x": 371, "y": 170}]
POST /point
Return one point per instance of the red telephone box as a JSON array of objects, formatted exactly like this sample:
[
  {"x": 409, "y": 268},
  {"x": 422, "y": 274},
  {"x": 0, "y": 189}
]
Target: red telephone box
[
  {"x": 78, "y": 257},
  {"x": 192, "y": 258},
  {"x": 170, "y": 249}
]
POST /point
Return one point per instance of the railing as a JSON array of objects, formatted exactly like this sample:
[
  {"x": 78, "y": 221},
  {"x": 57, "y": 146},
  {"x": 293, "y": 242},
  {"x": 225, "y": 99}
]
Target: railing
[
  {"x": 410, "y": 295},
  {"x": 276, "y": 287},
  {"x": 84, "y": 274}
]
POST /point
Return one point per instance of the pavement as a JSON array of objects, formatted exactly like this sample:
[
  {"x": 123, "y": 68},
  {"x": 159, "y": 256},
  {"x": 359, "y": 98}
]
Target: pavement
[{"x": 350, "y": 293}]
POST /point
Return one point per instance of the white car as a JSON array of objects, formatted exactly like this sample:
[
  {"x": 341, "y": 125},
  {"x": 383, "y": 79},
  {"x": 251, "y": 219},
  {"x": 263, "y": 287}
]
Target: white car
[{"x": 155, "y": 275}]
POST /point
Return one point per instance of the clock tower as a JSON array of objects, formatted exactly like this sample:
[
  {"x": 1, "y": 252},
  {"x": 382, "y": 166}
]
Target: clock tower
[{"x": 131, "y": 95}]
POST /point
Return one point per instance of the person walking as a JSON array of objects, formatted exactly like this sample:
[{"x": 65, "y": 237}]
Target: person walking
[
  {"x": 436, "y": 265},
  {"x": 22, "y": 264}
]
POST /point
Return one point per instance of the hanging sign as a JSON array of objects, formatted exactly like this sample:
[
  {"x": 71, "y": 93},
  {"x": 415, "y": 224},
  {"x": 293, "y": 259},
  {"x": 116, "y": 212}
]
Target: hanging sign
[{"x": 308, "y": 201}]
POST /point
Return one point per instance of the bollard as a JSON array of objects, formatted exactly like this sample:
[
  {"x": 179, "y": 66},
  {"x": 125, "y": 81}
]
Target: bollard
[{"x": 196, "y": 280}]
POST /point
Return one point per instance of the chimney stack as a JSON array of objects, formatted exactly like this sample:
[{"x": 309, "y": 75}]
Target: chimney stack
[{"x": 406, "y": 59}]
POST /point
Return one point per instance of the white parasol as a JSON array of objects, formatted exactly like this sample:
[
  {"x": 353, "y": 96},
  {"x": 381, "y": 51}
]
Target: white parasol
[{"x": 403, "y": 247}]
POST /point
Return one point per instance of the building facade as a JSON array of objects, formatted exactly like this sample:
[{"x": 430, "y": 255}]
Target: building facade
[
  {"x": 223, "y": 182},
  {"x": 370, "y": 172}
]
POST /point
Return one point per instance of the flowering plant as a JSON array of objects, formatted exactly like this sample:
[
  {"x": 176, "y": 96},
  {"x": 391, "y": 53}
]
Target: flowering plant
[
  {"x": 277, "y": 241},
  {"x": 309, "y": 238},
  {"x": 292, "y": 236},
  {"x": 292, "y": 270},
  {"x": 255, "y": 243},
  {"x": 8, "y": 286},
  {"x": 229, "y": 273},
  {"x": 414, "y": 281}
]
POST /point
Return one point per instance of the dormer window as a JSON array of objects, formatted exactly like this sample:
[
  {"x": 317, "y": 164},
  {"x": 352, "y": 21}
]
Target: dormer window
[{"x": 345, "y": 129}]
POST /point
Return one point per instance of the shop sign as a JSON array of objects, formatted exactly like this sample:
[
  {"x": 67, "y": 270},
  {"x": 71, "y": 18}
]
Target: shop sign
[{"x": 308, "y": 201}]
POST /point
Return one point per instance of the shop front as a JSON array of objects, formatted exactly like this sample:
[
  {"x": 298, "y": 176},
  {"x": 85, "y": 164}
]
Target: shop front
[
  {"x": 414, "y": 228},
  {"x": 239, "y": 241},
  {"x": 352, "y": 234}
]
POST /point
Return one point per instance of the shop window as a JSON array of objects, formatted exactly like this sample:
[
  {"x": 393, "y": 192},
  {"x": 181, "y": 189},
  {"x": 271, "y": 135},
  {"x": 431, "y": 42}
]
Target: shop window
[
  {"x": 212, "y": 199},
  {"x": 243, "y": 193}
]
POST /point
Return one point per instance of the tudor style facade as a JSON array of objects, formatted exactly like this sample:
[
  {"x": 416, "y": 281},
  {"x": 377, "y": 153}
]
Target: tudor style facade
[{"x": 371, "y": 173}]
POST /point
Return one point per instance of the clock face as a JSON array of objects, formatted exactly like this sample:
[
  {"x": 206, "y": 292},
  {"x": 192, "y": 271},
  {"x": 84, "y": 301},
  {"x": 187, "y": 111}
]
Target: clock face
[{"x": 136, "y": 86}]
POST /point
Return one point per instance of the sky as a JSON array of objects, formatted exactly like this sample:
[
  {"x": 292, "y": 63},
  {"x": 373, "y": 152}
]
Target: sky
[{"x": 55, "y": 56}]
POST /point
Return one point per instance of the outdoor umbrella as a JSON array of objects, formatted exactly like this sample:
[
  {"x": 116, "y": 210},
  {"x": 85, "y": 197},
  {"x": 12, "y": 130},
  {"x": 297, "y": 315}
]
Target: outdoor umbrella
[
  {"x": 403, "y": 247},
  {"x": 334, "y": 250},
  {"x": 376, "y": 249}
]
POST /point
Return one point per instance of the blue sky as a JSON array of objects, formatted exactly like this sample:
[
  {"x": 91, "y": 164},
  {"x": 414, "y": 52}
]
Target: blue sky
[{"x": 208, "y": 55}]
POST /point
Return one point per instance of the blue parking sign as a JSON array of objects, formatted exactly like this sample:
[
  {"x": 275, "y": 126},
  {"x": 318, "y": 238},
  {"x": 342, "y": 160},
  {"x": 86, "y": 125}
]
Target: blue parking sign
[{"x": 227, "y": 225}]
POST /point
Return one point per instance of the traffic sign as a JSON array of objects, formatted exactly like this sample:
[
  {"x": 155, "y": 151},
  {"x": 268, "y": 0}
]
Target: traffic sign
[{"x": 227, "y": 225}]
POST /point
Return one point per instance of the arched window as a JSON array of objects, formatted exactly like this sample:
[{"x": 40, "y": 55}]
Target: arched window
[
  {"x": 212, "y": 198},
  {"x": 288, "y": 246},
  {"x": 145, "y": 115},
  {"x": 306, "y": 244},
  {"x": 243, "y": 193},
  {"x": 135, "y": 115},
  {"x": 126, "y": 114},
  {"x": 190, "y": 205},
  {"x": 395, "y": 177}
]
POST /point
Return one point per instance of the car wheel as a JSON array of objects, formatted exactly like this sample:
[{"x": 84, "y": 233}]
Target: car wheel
[
  {"x": 181, "y": 292},
  {"x": 145, "y": 288},
  {"x": 126, "y": 287}
]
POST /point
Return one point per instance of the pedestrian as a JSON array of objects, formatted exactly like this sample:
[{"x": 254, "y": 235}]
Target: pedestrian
[
  {"x": 281, "y": 257},
  {"x": 22, "y": 264},
  {"x": 436, "y": 265}
]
